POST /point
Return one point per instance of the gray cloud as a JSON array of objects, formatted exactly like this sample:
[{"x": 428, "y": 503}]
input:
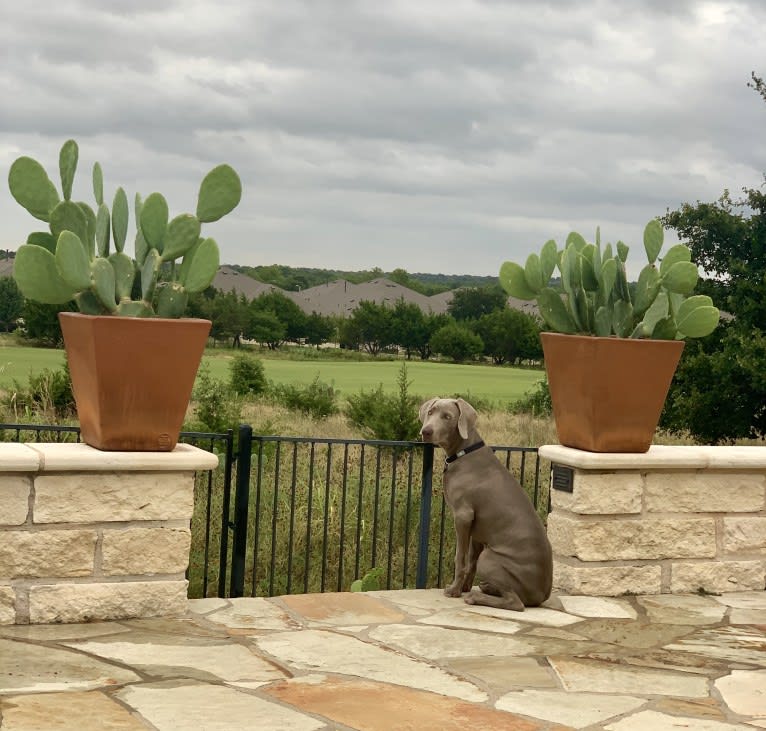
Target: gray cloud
[{"x": 427, "y": 135}]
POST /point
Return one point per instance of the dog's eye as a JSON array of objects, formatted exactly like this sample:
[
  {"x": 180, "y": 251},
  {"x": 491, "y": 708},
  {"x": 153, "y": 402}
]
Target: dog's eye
[
  {"x": 430, "y": 411},
  {"x": 447, "y": 416}
]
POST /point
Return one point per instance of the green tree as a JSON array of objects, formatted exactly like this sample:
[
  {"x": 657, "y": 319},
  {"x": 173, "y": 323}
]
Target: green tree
[
  {"x": 728, "y": 239},
  {"x": 509, "y": 336},
  {"x": 718, "y": 392},
  {"x": 409, "y": 329},
  {"x": 41, "y": 322},
  {"x": 319, "y": 329},
  {"x": 285, "y": 310},
  {"x": 228, "y": 313},
  {"x": 433, "y": 322},
  {"x": 372, "y": 325},
  {"x": 265, "y": 327},
  {"x": 457, "y": 342},
  {"x": 473, "y": 302},
  {"x": 11, "y": 304}
]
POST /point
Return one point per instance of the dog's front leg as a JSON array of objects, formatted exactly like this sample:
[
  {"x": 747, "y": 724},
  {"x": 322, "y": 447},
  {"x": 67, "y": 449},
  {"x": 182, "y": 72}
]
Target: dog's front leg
[
  {"x": 473, "y": 556},
  {"x": 463, "y": 522}
]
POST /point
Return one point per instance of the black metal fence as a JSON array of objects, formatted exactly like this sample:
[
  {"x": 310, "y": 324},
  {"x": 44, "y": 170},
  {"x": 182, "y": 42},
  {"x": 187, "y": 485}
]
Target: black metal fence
[{"x": 312, "y": 514}]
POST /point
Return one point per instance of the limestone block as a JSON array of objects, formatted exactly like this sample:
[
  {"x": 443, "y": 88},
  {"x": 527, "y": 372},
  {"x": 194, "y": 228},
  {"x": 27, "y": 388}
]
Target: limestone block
[
  {"x": 14, "y": 499},
  {"x": 145, "y": 551},
  {"x": 113, "y": 496},
  {"x": 705, "y": 492},
  {"x": 612, "y": 539},
  {"x": 561, "y": 533},
  {"x": 7, "y": 605},
  {"x": 583, "y": 580},
  {"x": 47, "y": 553},
  {"x": 602, "y": 493},
  {"x": 119, "y": 600},
  {"x": 746, "y": 535},
  {"x": 717, "y": 576}
]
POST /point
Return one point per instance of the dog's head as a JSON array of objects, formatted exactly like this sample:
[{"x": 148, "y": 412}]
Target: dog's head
[{"x": 446, "y": 420}]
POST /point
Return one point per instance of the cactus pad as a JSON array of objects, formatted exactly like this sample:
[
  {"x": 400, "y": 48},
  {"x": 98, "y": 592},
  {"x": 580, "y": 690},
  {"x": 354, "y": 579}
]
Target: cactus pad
[
  {"x": 67, "y": 167},
  {"x": 219, "y": 194},
  {"x": 32, "y": 188},
  {"x": 38, "y": 278}
]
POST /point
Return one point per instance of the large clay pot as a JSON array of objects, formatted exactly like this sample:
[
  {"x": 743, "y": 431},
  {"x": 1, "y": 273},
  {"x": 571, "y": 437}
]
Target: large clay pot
[
  {"x": 608, "y": 393},
  {"x": 132, "y": 377}
]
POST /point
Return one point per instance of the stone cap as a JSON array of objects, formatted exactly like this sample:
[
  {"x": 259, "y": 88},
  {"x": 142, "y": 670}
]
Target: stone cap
[
  {"x": 660, "y": 457},
  {"x": 18, "y": 458},
  {"x": 77, "y": 457}
]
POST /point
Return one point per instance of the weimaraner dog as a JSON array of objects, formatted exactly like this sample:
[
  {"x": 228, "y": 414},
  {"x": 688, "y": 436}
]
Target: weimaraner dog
[{"x": 499, "y": 535}]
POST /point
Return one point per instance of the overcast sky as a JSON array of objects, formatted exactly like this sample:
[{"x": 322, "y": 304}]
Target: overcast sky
[{"x": 433, "y": 135}]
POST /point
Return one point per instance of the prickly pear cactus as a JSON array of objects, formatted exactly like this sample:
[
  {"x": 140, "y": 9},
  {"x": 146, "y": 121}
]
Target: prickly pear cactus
[
  {"x": 74, "y": 262},
  {"x": 595, "y": 298}
]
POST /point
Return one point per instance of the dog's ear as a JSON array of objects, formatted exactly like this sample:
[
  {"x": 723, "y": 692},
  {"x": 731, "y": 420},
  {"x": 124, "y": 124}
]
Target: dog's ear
[
  {"x": 466, "y": 417},
  {"x": 425, "y": 406}
]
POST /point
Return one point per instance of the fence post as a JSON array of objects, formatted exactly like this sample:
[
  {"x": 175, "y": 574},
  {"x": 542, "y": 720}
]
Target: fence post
[
  {"x": 226, "y": 524},
  {"x": 421, "y": 578},
  {"x": 241, "y": 503}
]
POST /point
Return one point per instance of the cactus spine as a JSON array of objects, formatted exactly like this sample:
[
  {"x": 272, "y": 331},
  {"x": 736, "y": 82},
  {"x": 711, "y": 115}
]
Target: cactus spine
[
  {"x": 74, "y": 261},
  {"x": 594, "y": 297}
]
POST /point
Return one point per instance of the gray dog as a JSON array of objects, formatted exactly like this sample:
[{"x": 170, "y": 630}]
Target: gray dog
[{"x": 498, "y": 532}]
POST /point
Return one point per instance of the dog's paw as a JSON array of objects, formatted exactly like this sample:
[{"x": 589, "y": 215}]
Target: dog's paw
[
  {"x": 470, "y": 599},
  {"x": 453, "y": 591}
]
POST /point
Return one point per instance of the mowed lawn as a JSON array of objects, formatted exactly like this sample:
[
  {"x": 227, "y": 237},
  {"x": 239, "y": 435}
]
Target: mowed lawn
[{"x": 497, "y": 384}]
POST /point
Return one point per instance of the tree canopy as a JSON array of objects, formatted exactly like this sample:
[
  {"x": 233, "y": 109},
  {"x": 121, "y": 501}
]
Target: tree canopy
[{"x": 719, "y": 390}]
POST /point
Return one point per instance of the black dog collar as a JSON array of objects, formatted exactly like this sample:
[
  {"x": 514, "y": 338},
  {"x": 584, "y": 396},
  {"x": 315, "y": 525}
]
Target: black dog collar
[{"x": 465, "y": 451}]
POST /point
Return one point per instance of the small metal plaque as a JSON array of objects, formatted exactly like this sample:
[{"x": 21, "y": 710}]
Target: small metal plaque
[{"x": 562, "y": 478}]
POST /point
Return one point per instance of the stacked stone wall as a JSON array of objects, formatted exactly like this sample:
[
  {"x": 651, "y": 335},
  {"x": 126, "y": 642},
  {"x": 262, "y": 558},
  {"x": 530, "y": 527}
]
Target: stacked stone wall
[
  {"x": 88, "y": 535},
  {"x": 675, "y": 520}
]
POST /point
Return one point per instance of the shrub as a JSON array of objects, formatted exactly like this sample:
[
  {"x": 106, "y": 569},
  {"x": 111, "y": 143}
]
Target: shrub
[
  {"x": 536, "y": 402},
  {"x": 386, "y": 416},
  {"x": 247, "y": 376},
  {"x": 317, "y": 399},
  {"x": 217, "y": 407}
]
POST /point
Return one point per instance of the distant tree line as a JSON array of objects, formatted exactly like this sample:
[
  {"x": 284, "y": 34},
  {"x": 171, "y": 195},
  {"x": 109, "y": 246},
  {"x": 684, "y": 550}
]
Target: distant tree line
[
  {"x": 294, "y": 279},
  {"x": 479, "y": 324}
]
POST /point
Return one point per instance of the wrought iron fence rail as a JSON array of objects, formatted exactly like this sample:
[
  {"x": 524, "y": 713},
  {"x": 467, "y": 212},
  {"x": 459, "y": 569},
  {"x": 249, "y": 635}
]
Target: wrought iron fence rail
[{"x": 284, "y": 514}]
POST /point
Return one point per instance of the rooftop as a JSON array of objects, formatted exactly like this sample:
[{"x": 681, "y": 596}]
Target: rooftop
[{"x": 397, "y": 660}]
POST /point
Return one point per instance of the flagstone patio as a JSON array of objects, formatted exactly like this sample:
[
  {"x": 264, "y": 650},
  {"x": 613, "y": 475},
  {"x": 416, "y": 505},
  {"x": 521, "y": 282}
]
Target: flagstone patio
[{"x": 397, "y": 660}]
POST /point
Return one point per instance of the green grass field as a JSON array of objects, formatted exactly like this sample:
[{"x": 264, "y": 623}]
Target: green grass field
[
  {"x": 19, "y": 362},
  {"x": 496, "y": 384}
]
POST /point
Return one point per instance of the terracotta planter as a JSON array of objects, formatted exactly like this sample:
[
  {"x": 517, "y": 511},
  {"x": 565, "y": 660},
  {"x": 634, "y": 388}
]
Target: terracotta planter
[
  {"x": 608, "y": 393},
  {"x": 132, "y": 377}
]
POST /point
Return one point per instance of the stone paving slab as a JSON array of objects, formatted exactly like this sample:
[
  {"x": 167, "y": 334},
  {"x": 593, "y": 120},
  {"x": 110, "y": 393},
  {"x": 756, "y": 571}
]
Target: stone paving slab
[{"x": 397, "y": 660}]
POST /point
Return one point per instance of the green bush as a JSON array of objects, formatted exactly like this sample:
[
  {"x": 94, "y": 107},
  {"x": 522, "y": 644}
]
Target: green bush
[
  {"x": 247, "y": 376},
  {"x": 217, "y": 406},
  {"x": 536, "y": 402},
  {"x": 317, "y": 399},
  {"x": 386, "y": 416}
]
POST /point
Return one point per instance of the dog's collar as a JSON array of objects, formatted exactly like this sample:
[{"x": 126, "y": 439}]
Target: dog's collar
[{"x": 463, "y": 452}]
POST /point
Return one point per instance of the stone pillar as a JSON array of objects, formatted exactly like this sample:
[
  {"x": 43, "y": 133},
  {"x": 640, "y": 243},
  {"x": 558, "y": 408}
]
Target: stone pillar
[
  {"x": 90, "y": 535},
  {"x": 676, "y": 519}
]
